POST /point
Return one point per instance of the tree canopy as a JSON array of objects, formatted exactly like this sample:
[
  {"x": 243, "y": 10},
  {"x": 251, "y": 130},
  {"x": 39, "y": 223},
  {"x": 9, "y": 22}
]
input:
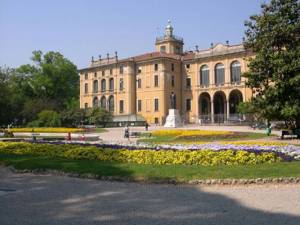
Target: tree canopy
[
  {"x": 274, "y": 72},
  {"x": 51, "y": 77},
  {"x": 51, "y": 82}
]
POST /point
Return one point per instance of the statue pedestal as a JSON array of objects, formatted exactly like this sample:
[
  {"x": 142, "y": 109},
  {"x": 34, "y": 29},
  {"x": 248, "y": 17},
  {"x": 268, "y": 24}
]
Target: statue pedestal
[{"x": 173, "y": 119}]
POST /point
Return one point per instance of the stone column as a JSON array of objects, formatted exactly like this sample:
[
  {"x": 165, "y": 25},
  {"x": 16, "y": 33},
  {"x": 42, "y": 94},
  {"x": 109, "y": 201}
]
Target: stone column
[
  {"x": 212, "y": 112},
  {"x": 227, "y": 110}
]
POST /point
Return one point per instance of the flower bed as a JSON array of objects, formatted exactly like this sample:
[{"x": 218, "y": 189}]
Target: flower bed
[
  {"x": 185, "y": 133},
  {"x": 205, "y": 157},
  {"x": 185, "y": 136},
  {"x": 47, "y": 130}
]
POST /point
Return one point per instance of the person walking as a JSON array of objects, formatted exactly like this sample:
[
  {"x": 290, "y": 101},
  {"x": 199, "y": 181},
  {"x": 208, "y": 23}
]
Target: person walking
[
  {"x": 126, "y": 132},
  {"x": 146, "y": 126}
]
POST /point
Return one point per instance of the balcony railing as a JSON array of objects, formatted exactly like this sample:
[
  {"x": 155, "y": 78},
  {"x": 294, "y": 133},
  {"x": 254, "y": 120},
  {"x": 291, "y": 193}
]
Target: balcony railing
[
  {"x": 162, "y": 38},
  {"x": 228, "y": 84},
  {"x": 221, "y": 119}
]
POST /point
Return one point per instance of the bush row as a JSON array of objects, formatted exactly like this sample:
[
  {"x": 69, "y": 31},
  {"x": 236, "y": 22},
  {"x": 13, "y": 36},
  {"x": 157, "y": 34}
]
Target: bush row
[{"x": 186, "y": 157}]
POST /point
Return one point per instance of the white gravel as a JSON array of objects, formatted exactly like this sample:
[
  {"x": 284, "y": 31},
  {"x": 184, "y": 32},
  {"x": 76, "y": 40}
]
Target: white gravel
[{"x": 45, "y": 199}]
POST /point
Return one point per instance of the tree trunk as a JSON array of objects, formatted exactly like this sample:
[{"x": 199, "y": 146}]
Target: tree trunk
[{"x": 298, "y": 122}]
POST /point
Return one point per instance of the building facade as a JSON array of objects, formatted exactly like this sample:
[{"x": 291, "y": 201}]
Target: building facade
[{"x": 207, "y": 83}]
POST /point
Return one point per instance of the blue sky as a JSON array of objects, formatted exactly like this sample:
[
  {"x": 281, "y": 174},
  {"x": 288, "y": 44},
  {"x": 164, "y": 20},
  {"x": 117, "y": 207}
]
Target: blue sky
[{"x": 82, "y": 28}]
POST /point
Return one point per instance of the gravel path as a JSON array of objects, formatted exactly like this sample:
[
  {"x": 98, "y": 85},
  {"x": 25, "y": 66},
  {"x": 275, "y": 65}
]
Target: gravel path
[{"x": 45, "y": 199}]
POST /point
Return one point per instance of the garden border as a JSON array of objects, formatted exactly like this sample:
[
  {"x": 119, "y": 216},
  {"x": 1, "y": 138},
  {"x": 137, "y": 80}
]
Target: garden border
[{"x": 206, "y": 182}]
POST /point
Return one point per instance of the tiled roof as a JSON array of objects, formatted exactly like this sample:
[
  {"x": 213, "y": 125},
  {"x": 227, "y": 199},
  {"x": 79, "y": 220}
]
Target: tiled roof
[
  {"x": 154, "y": 55},
  {"x": 188, "y": 56},
  {"x": 216, "y": 50}
]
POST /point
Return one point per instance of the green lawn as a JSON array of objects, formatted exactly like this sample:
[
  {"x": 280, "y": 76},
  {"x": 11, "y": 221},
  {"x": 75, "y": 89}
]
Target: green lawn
[
  {"x": 166, "y": 139},
  {"x": 153, "y": 172}
]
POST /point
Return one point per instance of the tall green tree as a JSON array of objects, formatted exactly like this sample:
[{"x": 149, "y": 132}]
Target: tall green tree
[
  {"x": 5, "y": 104},
  {"x": 51, "y": 77},
  {"x": 51, "y": 82},
  {"x": 274, "y": 72},
  {"x": 11, "y": 97}
]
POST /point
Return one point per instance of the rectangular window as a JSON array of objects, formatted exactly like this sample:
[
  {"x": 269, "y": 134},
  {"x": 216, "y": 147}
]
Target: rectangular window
[
  {"x": 121, "y": 87},
  {"x": 156, "y": 105},
  {"x": 139, "y": 105},
  {"x": 187, "y": 66},
  {"x": 121, "y": 69},
  {"x": 121, "y": 106},
  {"x": 103, "y": 72},
  {"x": 86, "y": 89},
  {"x": 86, "y": 105},
  {"x": 139, "y": 83},
  {"x": 155, "y": 67},
  {"x": 172, "y": 67},
  {"x": 155, "y": 81},
  {"x": 188, "y": 105},
  {"x": 110, "y": 71},
  {"x": 156, "y": 120},
  {"x": 95, "y": 75},
  {"x": 163, "y": 48},
  {"x": 172, "y": 81},
  {"x": 86, "y": 76},
  {"x": 188, "y": 82},
  {"x": 111, "y": 84}
]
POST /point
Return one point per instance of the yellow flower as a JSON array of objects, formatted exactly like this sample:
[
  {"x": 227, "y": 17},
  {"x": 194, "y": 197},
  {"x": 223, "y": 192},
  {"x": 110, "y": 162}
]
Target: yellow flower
[
  {"x": 185, "y": 133},
  {"x": 47, "y": 130}
]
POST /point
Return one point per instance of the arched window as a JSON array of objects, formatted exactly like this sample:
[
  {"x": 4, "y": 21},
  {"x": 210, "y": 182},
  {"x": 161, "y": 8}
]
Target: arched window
[
  {"x": 103, "y": 102},
  {"x": 103, "y": 85},
  {"x": 219, "y": 74},
  {"x": 111, "y": 84},
  {"x": 95, "y": 86},
  {"x": 95, "y": 102},
  {"x": 111, "y": 104},
  {"x": 235, "y": 71},
  {"x": 204, "y": 75}
]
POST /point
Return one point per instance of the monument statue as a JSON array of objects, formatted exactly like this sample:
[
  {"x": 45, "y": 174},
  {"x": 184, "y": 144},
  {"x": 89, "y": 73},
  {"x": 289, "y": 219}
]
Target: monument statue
[
  {"x": 173, "y": 100},
  {"x": 173, "y": 119}
]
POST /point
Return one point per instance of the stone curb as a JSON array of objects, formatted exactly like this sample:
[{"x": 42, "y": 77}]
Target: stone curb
[{"x": 229, "y": 182}]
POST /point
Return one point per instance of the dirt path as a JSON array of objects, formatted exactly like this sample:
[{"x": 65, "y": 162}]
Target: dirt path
[{"x": 45, "y": 199}]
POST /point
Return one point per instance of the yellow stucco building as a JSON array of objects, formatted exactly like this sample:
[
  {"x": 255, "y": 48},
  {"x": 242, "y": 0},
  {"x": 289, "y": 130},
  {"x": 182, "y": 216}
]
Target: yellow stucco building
[{"x": 207, "y": 83}]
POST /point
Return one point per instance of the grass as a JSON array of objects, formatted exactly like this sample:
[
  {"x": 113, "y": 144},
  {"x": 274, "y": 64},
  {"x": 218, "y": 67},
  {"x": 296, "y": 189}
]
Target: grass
[
  {"x": 166, "y": 139},
  {"x": 152, "y": 172}
]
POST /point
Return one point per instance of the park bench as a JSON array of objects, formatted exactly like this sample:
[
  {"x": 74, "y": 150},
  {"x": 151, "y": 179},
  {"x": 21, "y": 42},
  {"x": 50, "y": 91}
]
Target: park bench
[{"x": 291, "y": 133}]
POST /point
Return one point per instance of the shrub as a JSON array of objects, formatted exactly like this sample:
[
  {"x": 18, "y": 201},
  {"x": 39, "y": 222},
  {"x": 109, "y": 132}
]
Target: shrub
[
  {"x": 186, "y": 157},
  {"x": 99, "y": 116},
  {"x": 48, "y": 118}
]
